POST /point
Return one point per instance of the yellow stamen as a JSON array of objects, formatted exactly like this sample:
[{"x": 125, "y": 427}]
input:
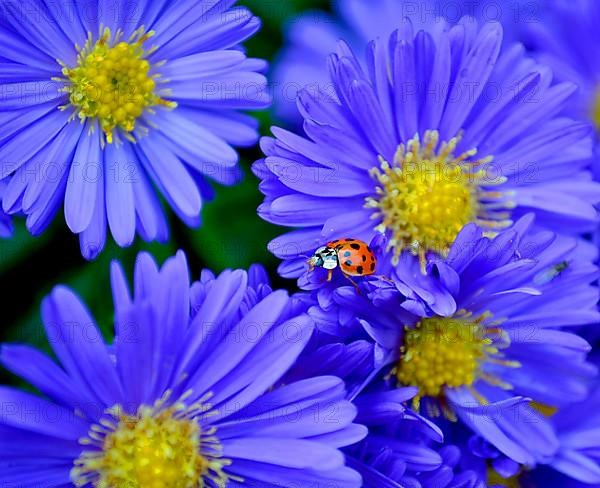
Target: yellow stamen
[
  {"x": 157, "y": 447},
  {"x": 448, "y": 352},
  {"x": 113, "y": 83},
  {"x": 427, "y": 194}
]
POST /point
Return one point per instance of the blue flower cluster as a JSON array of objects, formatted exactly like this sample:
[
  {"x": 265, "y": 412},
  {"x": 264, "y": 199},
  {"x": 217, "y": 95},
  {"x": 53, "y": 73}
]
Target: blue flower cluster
[{"x": 438, "y": 177}]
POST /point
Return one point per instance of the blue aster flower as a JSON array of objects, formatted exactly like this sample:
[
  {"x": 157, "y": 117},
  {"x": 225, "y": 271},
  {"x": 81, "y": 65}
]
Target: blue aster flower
[
  {"x": 314, "y": 34},
  {"x": 182, "y": 398},
  {"x": 105, "y": 102},
  {"x": 507, "y": 338},
  {"x": 402, "y": 448},
  {"x": 407, "y": 149}
]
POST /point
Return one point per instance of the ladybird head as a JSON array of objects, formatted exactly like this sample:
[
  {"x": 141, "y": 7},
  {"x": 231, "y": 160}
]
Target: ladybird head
[{"x": 324, "y": 257}]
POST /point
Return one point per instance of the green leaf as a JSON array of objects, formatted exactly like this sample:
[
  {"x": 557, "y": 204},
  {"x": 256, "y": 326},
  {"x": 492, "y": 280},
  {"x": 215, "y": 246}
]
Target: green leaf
[
  {"x": 232, "y": 234},
  {"x": 15, "y": 250}
]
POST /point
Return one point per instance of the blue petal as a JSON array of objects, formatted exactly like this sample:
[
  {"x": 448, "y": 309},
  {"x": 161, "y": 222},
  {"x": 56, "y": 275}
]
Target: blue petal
[
  {"x": 121, "y": 176},
  {"x": 78, "y": 344},
  {"x": 87, "y": 169}
]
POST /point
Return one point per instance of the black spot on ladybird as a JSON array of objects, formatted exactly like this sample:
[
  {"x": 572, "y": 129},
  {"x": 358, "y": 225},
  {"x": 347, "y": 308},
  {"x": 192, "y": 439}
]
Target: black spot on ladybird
[
  {"x": 364, "y": 257},
  {"x": 347, "y": 254},
  {"x": 372, "y": 266},
  {"x": 348, "y": 263},
  {"x": 354, "y": 245},
  {"x": 349, "y": 240},
  {"x": 359, "y": 270}
]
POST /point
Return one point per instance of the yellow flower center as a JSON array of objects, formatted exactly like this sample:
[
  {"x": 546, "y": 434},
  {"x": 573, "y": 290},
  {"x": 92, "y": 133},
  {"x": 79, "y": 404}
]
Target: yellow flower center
[
  {"x": 156, "y": 448},
  {"x": 447, "y": 352},
  {"x": 112, "y": 82},
  {"x": 427, "y": 194}
]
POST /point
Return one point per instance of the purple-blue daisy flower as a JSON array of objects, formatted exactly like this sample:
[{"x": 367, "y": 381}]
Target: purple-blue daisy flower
[
  {"x": 182, "y": 398},
  {"x": 506, "y": 338},
  {"x": 311, "y": 36},
  {"x": 403, "y": 448},
  {"x": 106, "y": 104},
  {"x": 416, "y": 145}
]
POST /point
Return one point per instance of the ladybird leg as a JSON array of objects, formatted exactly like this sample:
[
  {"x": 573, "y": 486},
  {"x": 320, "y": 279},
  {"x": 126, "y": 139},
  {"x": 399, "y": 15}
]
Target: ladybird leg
[
  {"x": 329, "y": 275},
  {"x": 353, "y": 283}
]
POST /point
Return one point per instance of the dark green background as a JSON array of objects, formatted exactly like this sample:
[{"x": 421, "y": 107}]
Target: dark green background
[{"x": 231, "y": 236}]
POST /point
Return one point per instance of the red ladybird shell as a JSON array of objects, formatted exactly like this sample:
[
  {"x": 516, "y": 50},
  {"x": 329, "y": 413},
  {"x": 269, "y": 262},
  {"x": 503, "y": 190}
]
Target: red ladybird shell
[{"x": 355, "y": 257}]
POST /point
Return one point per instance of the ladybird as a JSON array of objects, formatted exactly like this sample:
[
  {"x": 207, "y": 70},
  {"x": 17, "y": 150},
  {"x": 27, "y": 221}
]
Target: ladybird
[{"x": 353, "y": 257}]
